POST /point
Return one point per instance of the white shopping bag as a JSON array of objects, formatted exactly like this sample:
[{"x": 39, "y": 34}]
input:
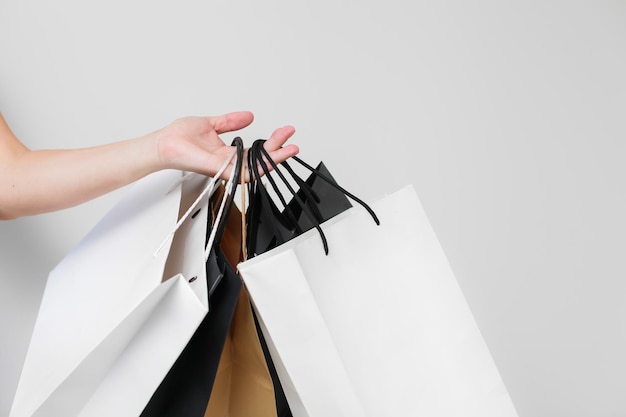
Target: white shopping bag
[
  {"x": 379, "y": 327},
  {"x": 120, "y": 307}
]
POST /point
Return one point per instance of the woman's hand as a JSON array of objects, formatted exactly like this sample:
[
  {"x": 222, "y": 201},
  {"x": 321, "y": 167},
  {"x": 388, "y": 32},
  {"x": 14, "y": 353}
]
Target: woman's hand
[
  {"x": 193, "y": 143},
  {"x": 39, "y": 181}
]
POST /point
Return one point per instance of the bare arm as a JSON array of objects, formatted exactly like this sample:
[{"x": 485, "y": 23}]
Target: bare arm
[{"x": 34, "y": 182}]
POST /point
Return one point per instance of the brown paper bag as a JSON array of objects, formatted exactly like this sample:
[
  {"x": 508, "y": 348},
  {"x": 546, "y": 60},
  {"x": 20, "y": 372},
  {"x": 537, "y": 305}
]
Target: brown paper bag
[{"x": 243, "y": 386}]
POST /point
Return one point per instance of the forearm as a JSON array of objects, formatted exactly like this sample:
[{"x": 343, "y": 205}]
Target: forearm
[
  {"x": 47, "y": 180},
  {"x": 33, "y": 182}
]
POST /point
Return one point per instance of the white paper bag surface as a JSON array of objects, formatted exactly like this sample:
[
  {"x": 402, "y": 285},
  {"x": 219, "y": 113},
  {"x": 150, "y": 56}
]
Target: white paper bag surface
[
  {"x": 116, "y": 313},
  {"x": 379, "y": 327}
]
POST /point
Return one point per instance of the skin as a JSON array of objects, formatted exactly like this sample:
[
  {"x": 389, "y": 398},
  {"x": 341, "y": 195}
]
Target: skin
[{"x": 39, "y": 181}]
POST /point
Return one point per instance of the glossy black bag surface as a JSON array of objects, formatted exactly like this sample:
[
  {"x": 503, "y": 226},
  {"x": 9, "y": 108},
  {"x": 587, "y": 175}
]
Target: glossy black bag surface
[
  {"x": 268, "y": 226},
  {"x": 186, "y": 389}
]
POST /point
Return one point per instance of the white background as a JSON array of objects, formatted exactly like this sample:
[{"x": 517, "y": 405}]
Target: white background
[{"x": 507, "y": 117}]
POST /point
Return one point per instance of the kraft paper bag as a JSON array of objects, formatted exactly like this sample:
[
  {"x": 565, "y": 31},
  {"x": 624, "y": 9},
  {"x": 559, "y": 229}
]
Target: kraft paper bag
[{"x": 243, "y": 386}]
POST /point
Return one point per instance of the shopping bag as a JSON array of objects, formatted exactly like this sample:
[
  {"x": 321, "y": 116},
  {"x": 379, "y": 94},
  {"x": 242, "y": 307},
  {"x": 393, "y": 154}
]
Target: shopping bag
[
  {"x": 243, "y": 386},
  {"x": 121, "y": 306},
  {"x": 271, "y": 226},
  {"x": 379, "y": 325},
  {"x": 187, "y": 387},
  {"x": 317, "y": 199}
]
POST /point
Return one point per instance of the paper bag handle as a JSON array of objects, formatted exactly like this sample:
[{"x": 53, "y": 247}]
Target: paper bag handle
[
  {"x": 258, "y": 157},
  {"x": 229, "y": 194},
  {"x": 191, "y": 208}
]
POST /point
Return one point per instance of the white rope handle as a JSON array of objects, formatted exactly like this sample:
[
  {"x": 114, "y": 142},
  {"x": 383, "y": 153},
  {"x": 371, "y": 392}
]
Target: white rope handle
[
  {"x": 207, "y": 189},
  {"x": 182, "y": 179},
  {"x": 220, "y": 212}
]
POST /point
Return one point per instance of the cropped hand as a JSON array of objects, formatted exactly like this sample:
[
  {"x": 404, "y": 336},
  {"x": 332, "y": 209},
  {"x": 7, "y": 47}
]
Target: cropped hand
[
  {"x": 40, "y": 181},
  {"x": 194, "y": 144}
]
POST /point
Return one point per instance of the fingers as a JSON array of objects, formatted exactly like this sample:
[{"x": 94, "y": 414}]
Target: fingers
[
  {"x": 274, "y": 145},
  {"x": 231, "y": 121}
]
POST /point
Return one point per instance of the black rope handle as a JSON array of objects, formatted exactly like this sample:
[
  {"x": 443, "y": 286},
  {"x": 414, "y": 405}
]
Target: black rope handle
[
  {"x": 328, "y": 180},
  {"x": 236, "y": 178},
  {"x": 258, "y": 157},
  {"x": 261, "y": 157},
  {"x": 253, "y": 212}
]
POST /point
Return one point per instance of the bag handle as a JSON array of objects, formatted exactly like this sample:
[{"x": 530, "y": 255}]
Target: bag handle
[
  {"x": 227, "y": 201},
  {"x": 329, "y": 181},
  {"x": 256, "y": 160},
  {"x": 209, "y": 188},
  {"x": 259, "y": 158},
  {"x": 244, "y": 248},
  {"x": 308, "y": 190}
]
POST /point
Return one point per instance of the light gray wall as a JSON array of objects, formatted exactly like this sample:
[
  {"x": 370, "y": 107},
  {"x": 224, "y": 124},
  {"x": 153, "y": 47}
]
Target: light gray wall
[{"x": 508, "y": 117}]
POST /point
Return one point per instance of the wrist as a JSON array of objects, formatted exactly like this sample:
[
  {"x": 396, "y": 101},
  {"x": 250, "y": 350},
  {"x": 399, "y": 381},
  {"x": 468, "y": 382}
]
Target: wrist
[{"x": 150, "y": 152}]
